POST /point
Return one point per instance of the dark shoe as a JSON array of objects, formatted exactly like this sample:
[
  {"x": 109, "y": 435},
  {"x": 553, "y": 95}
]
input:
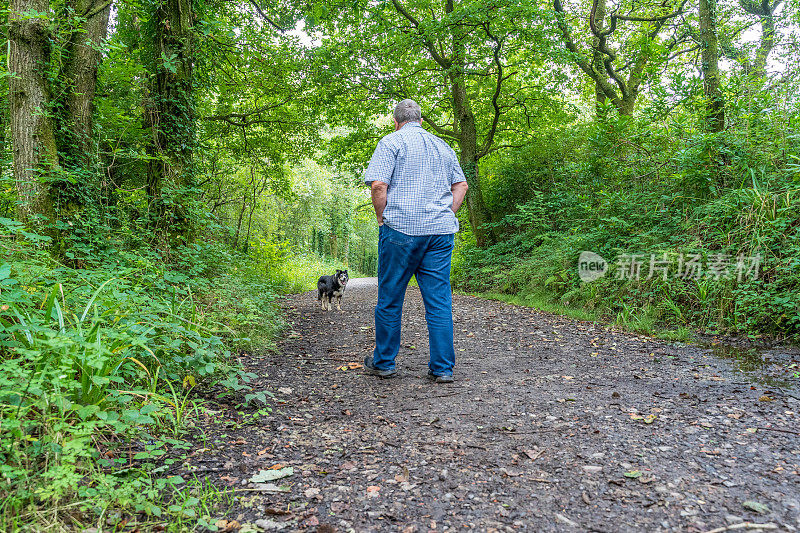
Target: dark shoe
[
  {"x": 370, "y": 368},
  {"x": 447, "y": 378}
]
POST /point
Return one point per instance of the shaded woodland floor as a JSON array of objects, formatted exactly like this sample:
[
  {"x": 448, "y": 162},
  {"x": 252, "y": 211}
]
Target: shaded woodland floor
[{"x": 552, "y": 425}]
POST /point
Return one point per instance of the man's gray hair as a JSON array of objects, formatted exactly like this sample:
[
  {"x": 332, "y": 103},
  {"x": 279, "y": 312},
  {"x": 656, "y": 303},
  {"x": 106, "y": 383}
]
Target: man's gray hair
[{"x": 407, "y": 111}]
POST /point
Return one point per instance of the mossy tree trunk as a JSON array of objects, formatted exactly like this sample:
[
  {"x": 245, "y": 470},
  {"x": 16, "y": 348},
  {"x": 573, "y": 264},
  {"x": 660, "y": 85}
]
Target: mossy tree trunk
[
  {"x": 32, "y": 125},
  {"x": 80, "y": 79},
  {"x": 709, "y": 50},
  {"x": 170, "y": 116}
]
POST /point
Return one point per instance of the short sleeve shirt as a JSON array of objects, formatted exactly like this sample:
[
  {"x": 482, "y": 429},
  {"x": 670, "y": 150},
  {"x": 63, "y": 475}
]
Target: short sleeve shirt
[{"x": 419, "y": 168}]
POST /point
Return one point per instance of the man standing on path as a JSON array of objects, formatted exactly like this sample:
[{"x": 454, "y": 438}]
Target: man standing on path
[{"x": 417, "y": 187}]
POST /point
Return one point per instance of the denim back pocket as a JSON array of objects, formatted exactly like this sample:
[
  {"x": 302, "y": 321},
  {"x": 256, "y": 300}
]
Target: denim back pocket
[{"x": 395, "y": 237}]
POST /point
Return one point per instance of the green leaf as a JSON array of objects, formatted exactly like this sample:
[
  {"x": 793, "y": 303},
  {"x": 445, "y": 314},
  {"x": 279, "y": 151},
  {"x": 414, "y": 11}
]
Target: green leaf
[
  {"x": 760, "y": 508},
  {"x": 264, "y": 476}
]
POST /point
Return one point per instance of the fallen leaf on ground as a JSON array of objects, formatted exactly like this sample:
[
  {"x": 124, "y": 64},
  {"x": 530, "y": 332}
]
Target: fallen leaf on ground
[
  {"x": 760, "y": 508},
  {"x": 270, "y": 475},
  {"x": 533, "y": 454},
  {"x": 351, "y": 366},
  {"x": 271, "y": 487},
  {"x": 402, "y": 477},
  {"x": 225, "y": 525}
]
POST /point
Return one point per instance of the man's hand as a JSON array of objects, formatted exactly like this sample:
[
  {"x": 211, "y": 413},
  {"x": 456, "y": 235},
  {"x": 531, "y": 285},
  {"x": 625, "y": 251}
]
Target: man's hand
[
  {"x": 378, "y": 193},
  {"x": 459, "y": 191}
]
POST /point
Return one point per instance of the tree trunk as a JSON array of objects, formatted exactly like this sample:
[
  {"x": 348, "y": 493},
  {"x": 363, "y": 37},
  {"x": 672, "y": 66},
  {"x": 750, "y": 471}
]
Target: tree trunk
[
  {"x": 715, "y": 115},
  {"x": 80, "y": 76},
  {"x": 765, "y": 12},
  {"x": 249, "y": 226},
  {"x": 239, "y": 223},
  {"x": 32, "y": 129},
  {"x": 766, "y": 45},
  {"x": 468, "y": 145},
  {"x": 597, "y": 56},
  {"x": 627, "y": 104},
  {"x": 334, "y": 243},
  {"x": 171, "y": 115}
]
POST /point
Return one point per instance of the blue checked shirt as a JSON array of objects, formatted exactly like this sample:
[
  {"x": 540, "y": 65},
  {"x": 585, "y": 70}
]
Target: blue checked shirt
[{"x": 419, "y": 168}]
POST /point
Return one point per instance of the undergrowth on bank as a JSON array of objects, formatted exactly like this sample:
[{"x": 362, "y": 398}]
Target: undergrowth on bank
[
  {"x": 742, "y": 203},
  {"x": 101, "y": 370}
]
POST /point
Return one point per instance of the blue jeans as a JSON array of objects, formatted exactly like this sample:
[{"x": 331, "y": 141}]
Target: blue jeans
[{"x": 428, "y": 258}]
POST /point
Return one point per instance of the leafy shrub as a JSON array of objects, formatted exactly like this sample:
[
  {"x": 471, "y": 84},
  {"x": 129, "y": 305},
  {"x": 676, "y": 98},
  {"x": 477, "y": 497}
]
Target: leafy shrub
[
  {"x": 94, "y": 360},
  {"x": 592, "y": 197}
]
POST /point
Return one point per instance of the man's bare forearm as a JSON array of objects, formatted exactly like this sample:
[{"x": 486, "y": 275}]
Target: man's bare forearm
[
  {"x": 459, "y": 191},
  {"x": 378, "y": 193}
]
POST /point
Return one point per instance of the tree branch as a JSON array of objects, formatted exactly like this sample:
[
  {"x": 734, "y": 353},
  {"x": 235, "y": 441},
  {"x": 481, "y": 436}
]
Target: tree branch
[
  {"x": 439, "y": 129},
  {"x": 91, "y": 13},
  {"x": 265, "y": 17},
  {"x": 429, "y": 45},
  {"x": 497, "y": 88},
  {"x": 663, "y": 18}
]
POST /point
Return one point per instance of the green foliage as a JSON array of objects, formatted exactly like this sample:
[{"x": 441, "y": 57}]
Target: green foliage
[
  {"x": 641, "y": 188},
  {"x": 194, "y": 201},
  {"x": 94, "y": 361}
]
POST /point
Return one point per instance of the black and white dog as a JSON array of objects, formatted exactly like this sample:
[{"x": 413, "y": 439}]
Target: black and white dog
[{"x": 330, "y": 287}]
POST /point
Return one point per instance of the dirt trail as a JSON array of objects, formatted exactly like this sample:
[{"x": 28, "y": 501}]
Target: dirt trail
[{"x": 552, "y": 425}]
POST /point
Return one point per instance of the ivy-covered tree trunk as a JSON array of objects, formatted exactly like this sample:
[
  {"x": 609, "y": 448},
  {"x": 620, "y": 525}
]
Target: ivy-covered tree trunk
[
  {"x": 715, "y": 115},
  {"x": 468, "y": 158},
  {"x": 32, "y": 126},
  {"x": 80, "y": 78},
  {"x": 597, "y": 56},
  {"x": 170, "y": 115},
  {"x": 467, "y": 139}
]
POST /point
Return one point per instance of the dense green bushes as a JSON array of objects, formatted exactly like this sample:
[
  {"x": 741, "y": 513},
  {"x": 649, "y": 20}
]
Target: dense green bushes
[
  {"x": 641, "y": 188},
  {"x": 97, "y": 369}
]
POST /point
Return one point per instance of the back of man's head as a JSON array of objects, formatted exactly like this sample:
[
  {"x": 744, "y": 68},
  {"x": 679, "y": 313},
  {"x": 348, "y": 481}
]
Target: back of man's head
[{"x": 407, "y": 111}]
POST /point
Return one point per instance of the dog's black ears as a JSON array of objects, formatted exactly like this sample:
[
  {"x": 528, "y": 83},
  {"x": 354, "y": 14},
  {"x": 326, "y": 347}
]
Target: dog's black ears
[
  {"x": 345, "y": 271},
  {"x": 339, "y": 272}
]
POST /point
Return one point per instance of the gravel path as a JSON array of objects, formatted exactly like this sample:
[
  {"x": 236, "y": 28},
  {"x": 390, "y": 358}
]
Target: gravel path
[{"x": 552, "y": 425}]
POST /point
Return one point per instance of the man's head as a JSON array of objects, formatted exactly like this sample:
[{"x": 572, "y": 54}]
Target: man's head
[{"x": 406, "y": 111}]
